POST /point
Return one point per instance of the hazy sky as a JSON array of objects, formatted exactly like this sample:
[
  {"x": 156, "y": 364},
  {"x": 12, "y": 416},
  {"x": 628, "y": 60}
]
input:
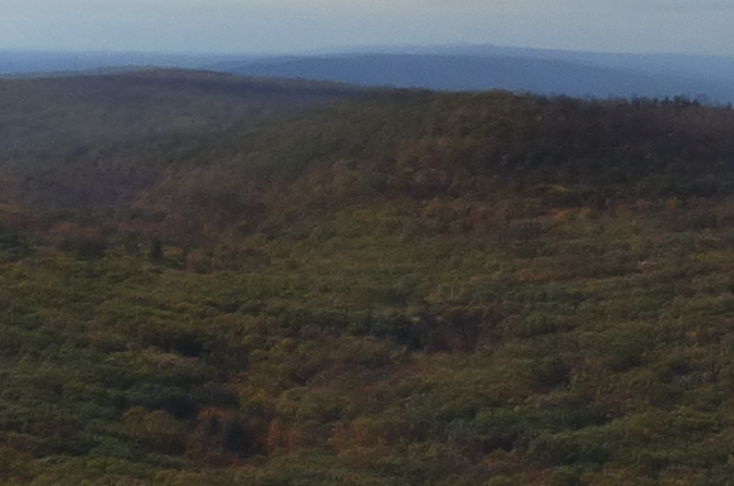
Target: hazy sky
[{"x": 277, "y": 26}]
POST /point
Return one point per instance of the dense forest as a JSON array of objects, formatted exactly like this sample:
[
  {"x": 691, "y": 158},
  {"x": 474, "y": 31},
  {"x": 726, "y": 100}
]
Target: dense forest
[{"x": 217, "y": 280}]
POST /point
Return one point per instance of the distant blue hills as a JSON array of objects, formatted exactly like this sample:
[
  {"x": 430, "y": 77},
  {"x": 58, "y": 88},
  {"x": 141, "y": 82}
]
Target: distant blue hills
[
  {"x": 454, "y": 67},
  {"x": 477, "y": 67},
  {"x": 39, "y": 63}
]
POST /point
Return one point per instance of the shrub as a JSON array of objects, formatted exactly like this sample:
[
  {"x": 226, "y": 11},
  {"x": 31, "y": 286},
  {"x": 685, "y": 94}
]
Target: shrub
[
  {"x": 158, "y": 429},
  {"x": 227, "y": 434}
]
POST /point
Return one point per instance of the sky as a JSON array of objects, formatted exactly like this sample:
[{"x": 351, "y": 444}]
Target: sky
[{"x": 299, "y": 26}]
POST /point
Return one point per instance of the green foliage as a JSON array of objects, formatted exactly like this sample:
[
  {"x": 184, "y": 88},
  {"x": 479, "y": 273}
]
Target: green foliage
[{"x": 400, "y": 288}]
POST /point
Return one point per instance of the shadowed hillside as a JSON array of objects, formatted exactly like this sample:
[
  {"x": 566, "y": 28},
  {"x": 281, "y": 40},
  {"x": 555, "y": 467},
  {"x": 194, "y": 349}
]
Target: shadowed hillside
[
  {"x": 99, "y": 134},
  {"x": 205, "y": 133},
  {"x": 72, "y": 110},
  {"x": 375, "y": 288}
]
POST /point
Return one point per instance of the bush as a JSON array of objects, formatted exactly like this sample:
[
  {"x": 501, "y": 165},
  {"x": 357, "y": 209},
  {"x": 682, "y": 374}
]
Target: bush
[{"x": 158, "y": 429}]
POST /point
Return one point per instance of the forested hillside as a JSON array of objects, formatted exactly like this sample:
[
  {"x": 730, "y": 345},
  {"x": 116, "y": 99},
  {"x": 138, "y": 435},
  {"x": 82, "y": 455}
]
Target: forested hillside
[
  {"x": 222, "y": 281},
  {"x": 95, "y": 109}
]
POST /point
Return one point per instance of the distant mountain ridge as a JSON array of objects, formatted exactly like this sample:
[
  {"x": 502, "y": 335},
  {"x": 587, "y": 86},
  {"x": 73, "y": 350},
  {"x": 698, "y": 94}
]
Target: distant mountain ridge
[
  {"x": 476, "y": 73},
  {"x": 572, "y": 74},
  {"x": 24, "y": 63},
  {"x": 686, "y": 65},
  {"x": 449, "y": 67}
]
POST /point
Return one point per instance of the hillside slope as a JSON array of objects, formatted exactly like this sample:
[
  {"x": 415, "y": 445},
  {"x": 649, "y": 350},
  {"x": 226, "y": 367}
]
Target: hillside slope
[
  {"x": 398, "y": 288},
  {"x": 70, "y": 133},
  {"x": 134, "y": 104}
]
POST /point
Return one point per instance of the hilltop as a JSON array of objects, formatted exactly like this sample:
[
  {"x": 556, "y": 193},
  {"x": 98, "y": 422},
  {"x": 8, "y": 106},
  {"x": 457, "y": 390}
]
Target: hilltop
[{"x": 292, "y": 283}]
